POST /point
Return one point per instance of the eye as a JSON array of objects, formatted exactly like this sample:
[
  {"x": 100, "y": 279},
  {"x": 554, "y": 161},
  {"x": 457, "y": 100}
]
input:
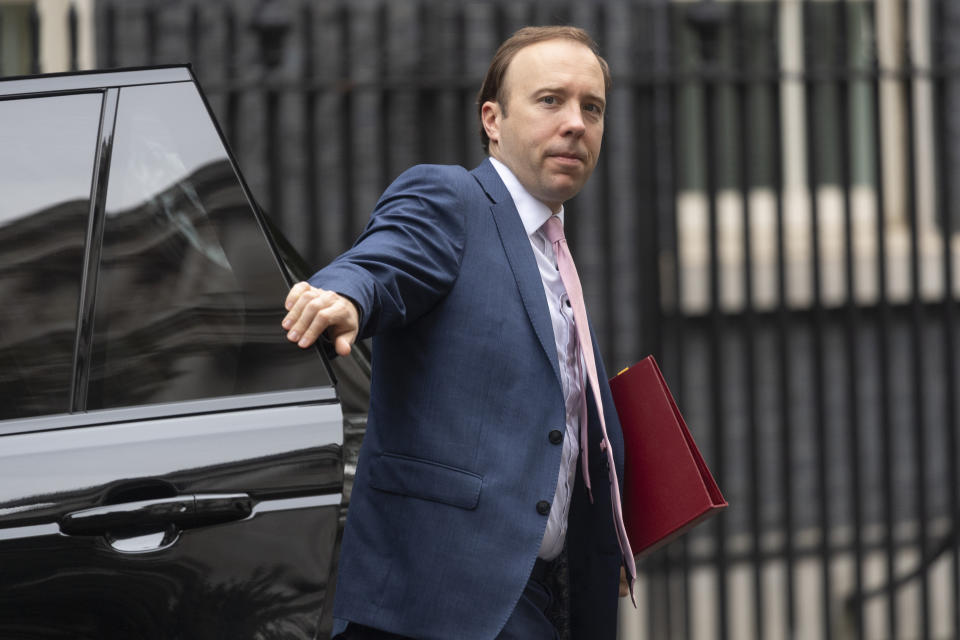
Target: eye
[
  {"x": 593, "y": 108},
  {"x": 548, "y": 100}
]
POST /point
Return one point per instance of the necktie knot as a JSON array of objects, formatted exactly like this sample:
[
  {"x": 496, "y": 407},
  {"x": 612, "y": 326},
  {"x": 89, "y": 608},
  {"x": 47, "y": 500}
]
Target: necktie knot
[{"x": 553, "y": 228}]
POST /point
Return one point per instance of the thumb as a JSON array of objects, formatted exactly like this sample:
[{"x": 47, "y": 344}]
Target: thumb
[{"x": 343, "y": 341}]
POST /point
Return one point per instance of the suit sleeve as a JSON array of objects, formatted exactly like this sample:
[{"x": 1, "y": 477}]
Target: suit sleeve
[{"x": 409, "y": 255}]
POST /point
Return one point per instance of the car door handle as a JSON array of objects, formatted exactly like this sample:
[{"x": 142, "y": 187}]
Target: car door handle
[{"x": 185, "y": 511}]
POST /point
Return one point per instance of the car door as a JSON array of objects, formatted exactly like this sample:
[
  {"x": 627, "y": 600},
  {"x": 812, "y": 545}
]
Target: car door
[{"x": 170, "y": 467}]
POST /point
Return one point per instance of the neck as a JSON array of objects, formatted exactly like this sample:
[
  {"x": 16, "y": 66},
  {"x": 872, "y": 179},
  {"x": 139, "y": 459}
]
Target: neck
[{"x": 555, "y": 207}]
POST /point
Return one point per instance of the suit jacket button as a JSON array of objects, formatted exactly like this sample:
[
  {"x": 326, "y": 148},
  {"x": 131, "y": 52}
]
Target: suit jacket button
[
  {"x": 556, "y": 437},
  {"x": 543, "y": 507}
]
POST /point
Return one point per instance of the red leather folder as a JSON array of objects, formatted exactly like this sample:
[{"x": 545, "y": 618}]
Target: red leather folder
[{"x": 668, "y": 488}]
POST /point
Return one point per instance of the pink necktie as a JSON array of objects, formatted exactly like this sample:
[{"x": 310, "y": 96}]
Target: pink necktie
[{"x": 571, "y": 281}]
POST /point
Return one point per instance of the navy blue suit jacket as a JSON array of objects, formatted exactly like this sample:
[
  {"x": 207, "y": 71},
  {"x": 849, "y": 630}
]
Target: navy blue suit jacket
[{"x": 443, "y": 527}]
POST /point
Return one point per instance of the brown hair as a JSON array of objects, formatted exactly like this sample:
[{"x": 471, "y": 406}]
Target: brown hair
[{"x": 492, "y": 88}]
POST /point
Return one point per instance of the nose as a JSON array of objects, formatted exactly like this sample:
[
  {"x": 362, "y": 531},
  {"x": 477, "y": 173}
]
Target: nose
[{"x": 573, "y": 124}]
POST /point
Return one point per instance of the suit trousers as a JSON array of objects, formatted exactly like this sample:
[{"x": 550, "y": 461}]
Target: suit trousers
[{"x": 527, "y": 622}]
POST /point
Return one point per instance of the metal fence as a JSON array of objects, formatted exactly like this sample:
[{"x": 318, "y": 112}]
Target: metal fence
[{"x": 773, "y": 216}]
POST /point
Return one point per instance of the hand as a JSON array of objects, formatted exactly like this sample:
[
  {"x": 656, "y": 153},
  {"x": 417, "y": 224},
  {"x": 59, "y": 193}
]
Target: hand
[
  {"x": 312, "y": 310},
  {"x": 624, "y": 586}
]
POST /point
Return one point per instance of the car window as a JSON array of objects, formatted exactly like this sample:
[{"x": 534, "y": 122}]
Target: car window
[
  {"x": 189, "y": 297},
  {"x": 47, "y": 150}
]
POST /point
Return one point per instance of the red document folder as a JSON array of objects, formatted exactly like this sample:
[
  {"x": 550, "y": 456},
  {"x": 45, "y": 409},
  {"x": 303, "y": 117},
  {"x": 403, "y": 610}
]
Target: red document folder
[{"x": 667, "y": 486}]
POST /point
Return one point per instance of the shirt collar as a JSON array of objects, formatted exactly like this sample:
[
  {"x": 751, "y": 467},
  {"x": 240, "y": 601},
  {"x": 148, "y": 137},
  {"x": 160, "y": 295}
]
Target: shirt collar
[{"x": 533, "y": 213}]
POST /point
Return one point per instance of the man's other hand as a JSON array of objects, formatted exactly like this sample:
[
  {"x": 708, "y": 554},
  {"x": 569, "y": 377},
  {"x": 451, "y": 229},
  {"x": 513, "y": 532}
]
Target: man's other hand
[{"x": 311, "y": 311}]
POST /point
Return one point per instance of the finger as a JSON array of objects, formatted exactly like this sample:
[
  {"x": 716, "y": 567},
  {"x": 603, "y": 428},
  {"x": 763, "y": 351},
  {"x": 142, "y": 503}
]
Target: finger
[
  {"x": 324, "y": 313},
  {"x": 342, "y": 342},
  {"x": 337, "y": 316},
  {"x": 294, "y": 293},
  {"x": 299, "y": 295},
  {"x": 349, "y": 328},
  {"x": 310, "y": 335},
  {"x": 303, "y": 313}
]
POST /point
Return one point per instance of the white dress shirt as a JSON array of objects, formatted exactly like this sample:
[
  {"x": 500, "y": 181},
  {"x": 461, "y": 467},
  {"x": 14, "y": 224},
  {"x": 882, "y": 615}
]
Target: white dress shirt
[{"x": 534, "y": 214}]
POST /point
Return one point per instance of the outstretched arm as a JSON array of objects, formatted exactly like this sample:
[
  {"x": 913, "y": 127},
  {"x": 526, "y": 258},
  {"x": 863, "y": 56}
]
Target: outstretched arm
[{"x": 404, "y": 262}]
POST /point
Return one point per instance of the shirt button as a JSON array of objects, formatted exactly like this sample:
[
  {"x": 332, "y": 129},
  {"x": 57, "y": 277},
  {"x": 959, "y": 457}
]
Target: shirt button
[
  {"x": 543, "y": 507},
  {"x": 556, "y": 437}
]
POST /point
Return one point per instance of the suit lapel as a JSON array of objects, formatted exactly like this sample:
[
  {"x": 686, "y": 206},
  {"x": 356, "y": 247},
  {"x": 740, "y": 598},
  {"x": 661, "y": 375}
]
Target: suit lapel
[{"x": 519, "y": 253}]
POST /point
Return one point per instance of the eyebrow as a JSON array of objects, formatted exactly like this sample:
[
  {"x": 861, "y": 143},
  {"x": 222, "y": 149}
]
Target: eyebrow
[{"x": 561, "y": 90}]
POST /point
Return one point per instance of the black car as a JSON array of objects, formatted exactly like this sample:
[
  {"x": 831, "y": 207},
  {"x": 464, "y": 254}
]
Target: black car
[{"x": 170, "y": 466}]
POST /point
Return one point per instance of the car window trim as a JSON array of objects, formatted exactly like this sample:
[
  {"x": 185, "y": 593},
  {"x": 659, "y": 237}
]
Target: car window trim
[
  {"x": 268, "y": 227},
  {"x": 83, "y": 340},
  {"x": 225, "y": 404},
  {"x": 73, "y": 81}
]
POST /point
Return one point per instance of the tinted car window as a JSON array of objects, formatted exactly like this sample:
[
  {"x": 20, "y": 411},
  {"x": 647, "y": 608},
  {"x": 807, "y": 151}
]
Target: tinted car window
[
  {"x": 189, "y": 298},
  {"x": 47, "y": 149}
]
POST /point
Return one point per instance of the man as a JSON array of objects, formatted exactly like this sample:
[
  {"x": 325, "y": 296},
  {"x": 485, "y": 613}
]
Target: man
[{"x": 468, "y": 482}]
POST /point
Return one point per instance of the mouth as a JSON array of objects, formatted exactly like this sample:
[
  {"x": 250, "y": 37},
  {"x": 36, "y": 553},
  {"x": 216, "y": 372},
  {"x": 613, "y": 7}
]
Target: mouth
[{"x": 567, "y": 157}]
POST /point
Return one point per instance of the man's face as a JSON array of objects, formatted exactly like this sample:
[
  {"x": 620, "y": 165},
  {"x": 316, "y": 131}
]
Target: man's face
[{"x": 550, "y": 128}]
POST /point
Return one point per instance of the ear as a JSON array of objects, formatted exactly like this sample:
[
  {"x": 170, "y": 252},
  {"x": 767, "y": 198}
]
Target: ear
[{"x": 490, "y": 116}]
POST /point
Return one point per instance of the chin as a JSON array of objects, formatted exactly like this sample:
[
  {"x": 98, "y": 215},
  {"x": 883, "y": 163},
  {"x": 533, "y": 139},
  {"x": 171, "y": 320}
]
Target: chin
[{"x": 565, "y": 192}]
